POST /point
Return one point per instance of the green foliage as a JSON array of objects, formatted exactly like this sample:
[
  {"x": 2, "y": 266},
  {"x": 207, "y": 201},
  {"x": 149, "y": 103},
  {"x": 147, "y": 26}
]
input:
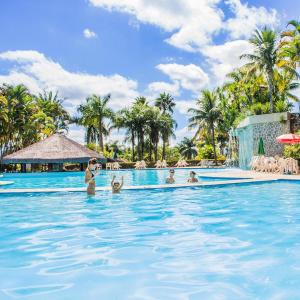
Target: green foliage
[
  {"x": 187, "y": 148},
  {"x": 259, "y": 108},
  {"x": 93, "y": 115},
  {"x": 206, "y": 152},
  {"x": 26, "y": 118},
  {"x": 292, "y": 151}
]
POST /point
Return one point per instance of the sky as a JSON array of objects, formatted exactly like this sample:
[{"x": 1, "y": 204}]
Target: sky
[{"x": 130, "y": 48}]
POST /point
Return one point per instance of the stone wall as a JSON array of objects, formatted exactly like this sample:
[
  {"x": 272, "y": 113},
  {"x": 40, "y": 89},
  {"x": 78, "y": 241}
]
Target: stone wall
[
  {"x": 268, "y": 127},
  {"x": 269, "y": 132}
]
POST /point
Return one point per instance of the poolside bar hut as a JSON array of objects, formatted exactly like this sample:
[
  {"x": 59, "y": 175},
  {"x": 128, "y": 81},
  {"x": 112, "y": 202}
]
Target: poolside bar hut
[{"x": 54, "y": 151}]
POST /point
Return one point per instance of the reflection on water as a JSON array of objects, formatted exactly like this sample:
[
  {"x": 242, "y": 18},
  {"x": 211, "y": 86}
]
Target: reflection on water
[{"x": 238, "y": 242}]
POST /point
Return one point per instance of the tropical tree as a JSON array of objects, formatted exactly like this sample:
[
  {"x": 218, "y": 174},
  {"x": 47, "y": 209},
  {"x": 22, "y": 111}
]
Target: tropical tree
[
  {"x": 187, "y": 148},
  {"x": 140, "y": 112},
  {"x": 168, "y": 124},
  {"x": 126, "y": 119},
  {"x": 264, "y": 58},
  {"x": 206, "y": 115},
  {"x": 290, "y": 44},
  {"x": 93, "y": 115},
  {"x": 165, "y": 102},
  {"x": 52, "y": 106},
  {"x": 25, "y": 118}
]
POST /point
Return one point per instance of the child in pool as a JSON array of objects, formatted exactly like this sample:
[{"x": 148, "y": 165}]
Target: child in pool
[
  {"x": 90, "y": 173},
  {"x": 171, "y": 179},
  {"x": 192, "y": 178},
  {"x": 116, "y": 186}
]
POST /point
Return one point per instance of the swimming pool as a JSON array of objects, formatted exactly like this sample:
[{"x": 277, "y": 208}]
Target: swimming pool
[
  {"x": 237, "y": 242},
  {"x": 76, "y": 179}
]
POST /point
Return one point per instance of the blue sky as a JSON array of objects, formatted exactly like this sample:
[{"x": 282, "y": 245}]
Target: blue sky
[{"x": 129, "y": 47}]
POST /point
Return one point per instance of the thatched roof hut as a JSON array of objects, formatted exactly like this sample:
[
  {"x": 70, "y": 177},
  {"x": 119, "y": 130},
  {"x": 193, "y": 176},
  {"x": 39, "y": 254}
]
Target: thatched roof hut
[{"x": 56, "y": 148}]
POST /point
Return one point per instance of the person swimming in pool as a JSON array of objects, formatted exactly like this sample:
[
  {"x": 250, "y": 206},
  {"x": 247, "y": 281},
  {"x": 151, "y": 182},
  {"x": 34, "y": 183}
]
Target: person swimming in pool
[
  {"x": 116, "y": 186},
  {"x": 192, "y": 178},
  {"x": 171, "y": 179},
  {"x": 90, "y": 173}
]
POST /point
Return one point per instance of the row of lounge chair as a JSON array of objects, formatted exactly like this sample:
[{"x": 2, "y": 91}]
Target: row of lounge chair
[
  {"x": 113, "y": 166},
  {"x": 181, "y": 164},
  {"x": 275, "y": 165},
  {"x": 140, "y": 165},
  {"x": 159, "y": 164}
]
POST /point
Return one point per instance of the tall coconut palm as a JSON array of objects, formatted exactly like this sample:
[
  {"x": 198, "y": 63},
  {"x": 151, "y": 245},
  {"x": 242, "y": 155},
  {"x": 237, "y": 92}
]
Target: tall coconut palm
[
  {"x": 94, "y": 113},
  {"x": 154, "y": 126},
  {"x": 290, "y": 44},
  {"x": 187, "y": 148},
  {"x": 168, "y": 124},
  {"x": 140, "y": 110},
  {"x": 165, "y": 102},
  {"x": 206, "y": 115},
  {"x": 264, "y": 58},
  {"x": 126, "y": 119},
  {"x": 52, "y": 106}
]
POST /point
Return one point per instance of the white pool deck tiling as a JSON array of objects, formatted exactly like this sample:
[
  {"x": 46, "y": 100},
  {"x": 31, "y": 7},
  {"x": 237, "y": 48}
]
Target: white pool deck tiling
[{"x": 238, "y": 177}]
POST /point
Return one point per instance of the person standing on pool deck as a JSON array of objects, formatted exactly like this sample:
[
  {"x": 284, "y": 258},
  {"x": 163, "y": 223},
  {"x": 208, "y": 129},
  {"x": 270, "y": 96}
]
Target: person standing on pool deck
[
  {"x": 192, "y": 178},
  {"x": 171, "y": 179},
  {"x": 90, "y": 174}
]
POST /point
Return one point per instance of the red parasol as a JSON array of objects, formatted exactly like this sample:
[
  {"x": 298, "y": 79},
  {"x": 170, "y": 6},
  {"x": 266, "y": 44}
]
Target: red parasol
[{"x": 289, "y": 139}]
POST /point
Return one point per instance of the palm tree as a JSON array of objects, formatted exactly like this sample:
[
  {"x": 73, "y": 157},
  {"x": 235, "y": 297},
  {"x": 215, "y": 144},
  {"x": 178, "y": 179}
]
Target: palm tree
[
  {"x": 207, "y": 114},
  {"x": 126, "y": 119},
  {"x": 290, "y": 44},
  {"x": 154, "y": 126},
  {"x": 264, "y": 58},
  {"x": 94, "y": 114},
  {"x": 53, "y": 107},
  {"x": 187, "y": 148},
  {"x": 140, "y": 111},
  {"x": 167, "y": 130},
  {"x": 165, "y": 102}
]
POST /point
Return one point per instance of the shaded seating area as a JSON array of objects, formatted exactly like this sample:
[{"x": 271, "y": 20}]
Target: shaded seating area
[{"x": 53, "y": 152}]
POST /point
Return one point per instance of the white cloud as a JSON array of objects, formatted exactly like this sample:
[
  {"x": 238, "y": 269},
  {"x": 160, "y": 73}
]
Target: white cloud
[
  {"x": 224, "y": 58},
  {"x": 190, "y": 22},
  {"x": 38, "y": 72},
  {"x": 189, "y": 77},
  {"x": 76, "y": 133},
  {"x": 181, "y": 134},
  {"x": 248, "y": 18},
  {"x": 89, "y": 34},
  {"x": 155, "y": 88},
  {"x": 183, "y": 106},
  {"x": 193, "y": 24}
]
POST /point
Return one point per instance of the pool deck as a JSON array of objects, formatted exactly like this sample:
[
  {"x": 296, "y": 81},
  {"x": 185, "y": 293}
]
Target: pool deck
[{"x": 239, "y": 177}]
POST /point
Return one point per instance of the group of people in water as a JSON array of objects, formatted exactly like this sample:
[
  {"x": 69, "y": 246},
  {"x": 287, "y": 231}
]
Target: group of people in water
[{"x": 93, "y": 168}]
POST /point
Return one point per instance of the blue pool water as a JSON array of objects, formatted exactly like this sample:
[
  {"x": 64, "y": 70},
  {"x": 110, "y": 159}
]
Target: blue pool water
[
  {"x": 76, "y": 179},
  {"x": 237, "y": 242}
]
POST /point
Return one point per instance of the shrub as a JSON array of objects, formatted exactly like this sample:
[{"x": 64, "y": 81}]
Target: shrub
[
  {"x": 292, "y": 151},
  {"x": 205, "y": 152}
]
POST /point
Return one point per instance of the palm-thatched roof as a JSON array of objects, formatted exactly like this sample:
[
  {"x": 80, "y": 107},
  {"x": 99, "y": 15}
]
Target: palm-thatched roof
[{"x": 56, "y": 148}]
